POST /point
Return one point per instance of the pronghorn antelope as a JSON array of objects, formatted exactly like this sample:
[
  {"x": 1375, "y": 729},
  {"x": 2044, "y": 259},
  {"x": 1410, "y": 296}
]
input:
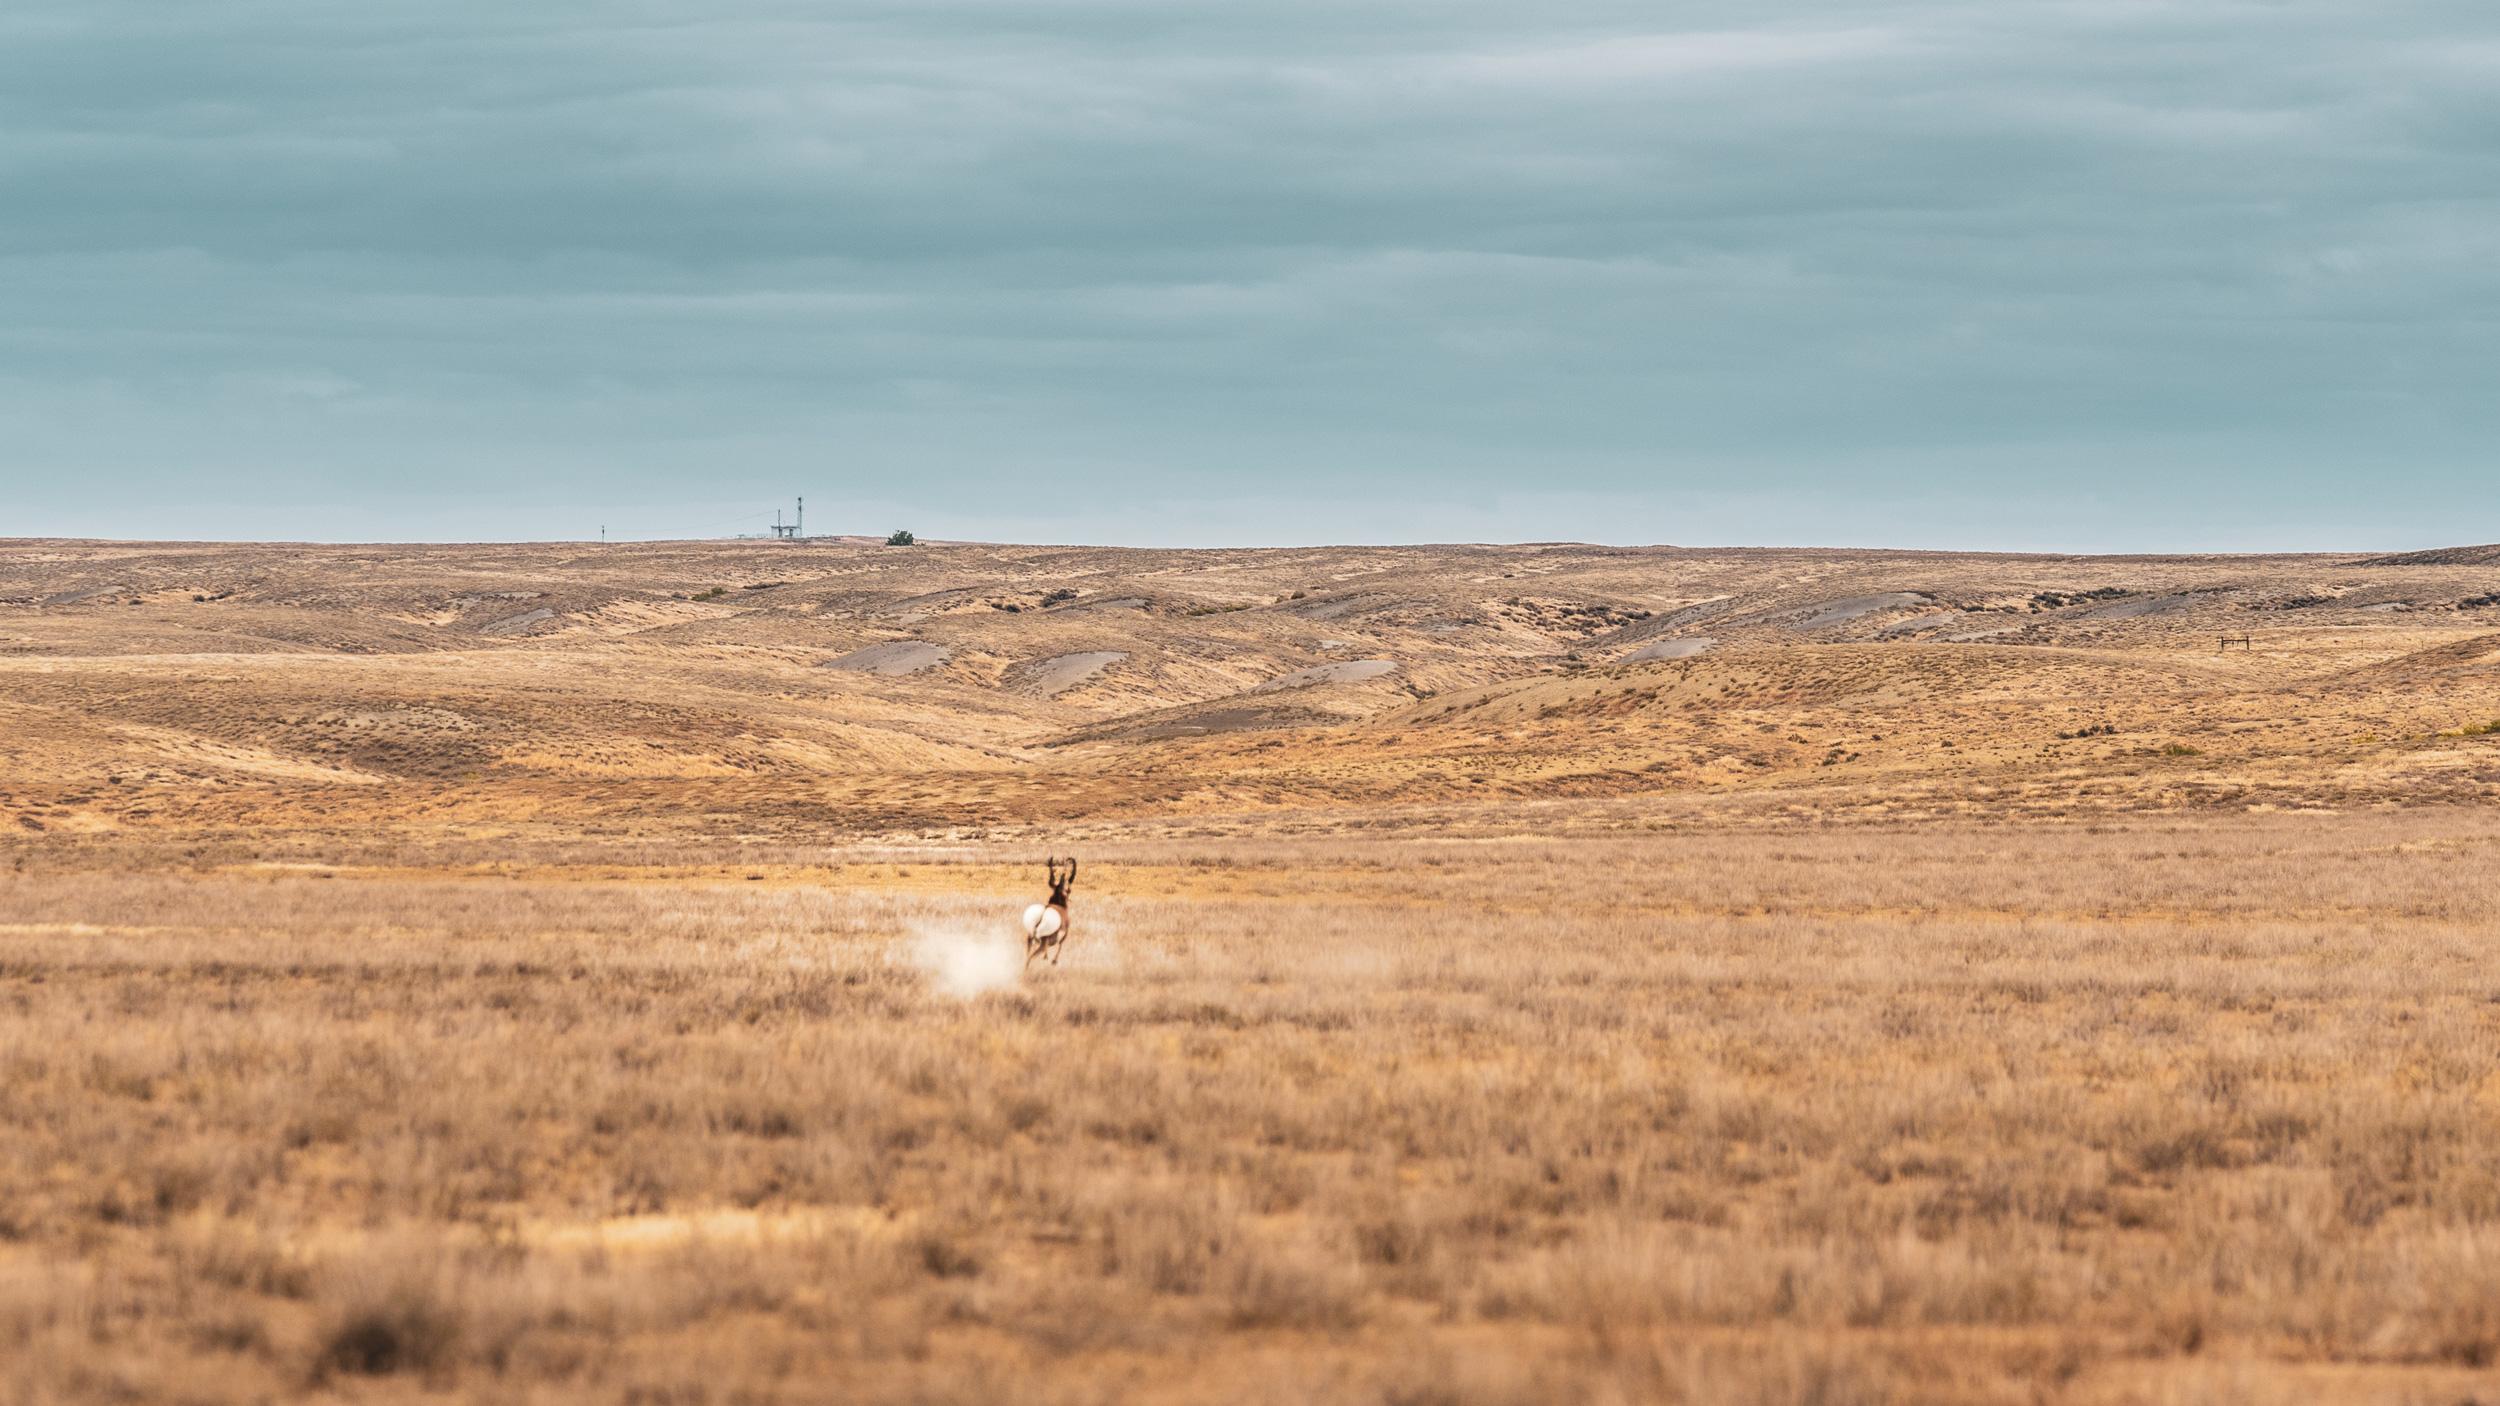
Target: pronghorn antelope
[{"x": 1046, "y": 923}]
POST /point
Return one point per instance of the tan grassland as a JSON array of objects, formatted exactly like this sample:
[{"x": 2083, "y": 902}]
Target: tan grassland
[{"x": 1963, "y": 981}]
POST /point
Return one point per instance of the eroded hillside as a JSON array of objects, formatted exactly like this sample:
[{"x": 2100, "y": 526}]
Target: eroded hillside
[{"x": 838, "y": 687}]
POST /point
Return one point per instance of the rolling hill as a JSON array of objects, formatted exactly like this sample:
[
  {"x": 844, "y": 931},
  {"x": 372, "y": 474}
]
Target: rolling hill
[{"x": 835, "y": 687}]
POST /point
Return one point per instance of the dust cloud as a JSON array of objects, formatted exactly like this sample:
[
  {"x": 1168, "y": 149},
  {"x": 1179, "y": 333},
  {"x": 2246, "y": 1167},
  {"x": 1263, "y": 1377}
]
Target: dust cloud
[{"x": 964, "y": 963}]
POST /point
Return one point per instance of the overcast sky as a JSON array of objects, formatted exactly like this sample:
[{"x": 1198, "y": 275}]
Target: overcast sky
[{"x": 2108, "y": 274}]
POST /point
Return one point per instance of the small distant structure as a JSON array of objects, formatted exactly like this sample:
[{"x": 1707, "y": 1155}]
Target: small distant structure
[
  {"x": 794, "y": 530},
  {"x": 2243, "y": 641}
]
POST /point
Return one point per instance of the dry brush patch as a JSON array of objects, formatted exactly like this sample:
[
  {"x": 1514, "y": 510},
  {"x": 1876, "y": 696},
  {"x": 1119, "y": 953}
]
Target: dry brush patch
[{"x": 2197, "y": 1112}]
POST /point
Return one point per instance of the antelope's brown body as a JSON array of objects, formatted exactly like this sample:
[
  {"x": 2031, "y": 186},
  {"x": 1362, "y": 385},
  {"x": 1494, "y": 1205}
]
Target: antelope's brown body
[{"x": 1046, "y": 924}]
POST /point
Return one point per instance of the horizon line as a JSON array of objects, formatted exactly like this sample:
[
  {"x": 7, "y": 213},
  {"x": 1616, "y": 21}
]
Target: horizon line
[{"x": 870, "y": 539}]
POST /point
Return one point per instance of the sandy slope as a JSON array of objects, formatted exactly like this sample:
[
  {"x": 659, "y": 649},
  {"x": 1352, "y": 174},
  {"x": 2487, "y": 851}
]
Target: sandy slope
[{"x": 836, "y": 687}]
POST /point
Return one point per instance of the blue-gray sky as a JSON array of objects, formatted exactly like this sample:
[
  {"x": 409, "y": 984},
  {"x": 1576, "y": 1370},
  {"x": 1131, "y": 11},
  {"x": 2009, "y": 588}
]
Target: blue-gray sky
[{"x": 2069, "y": 274}]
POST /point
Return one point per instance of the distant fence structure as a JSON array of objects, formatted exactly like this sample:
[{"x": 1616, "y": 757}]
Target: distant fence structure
[{"x": 2243, "y": 641}]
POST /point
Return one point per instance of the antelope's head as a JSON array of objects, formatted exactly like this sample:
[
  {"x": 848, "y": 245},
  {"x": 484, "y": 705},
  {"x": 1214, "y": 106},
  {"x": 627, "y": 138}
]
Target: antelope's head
[{"x": 1060, "y": 879}]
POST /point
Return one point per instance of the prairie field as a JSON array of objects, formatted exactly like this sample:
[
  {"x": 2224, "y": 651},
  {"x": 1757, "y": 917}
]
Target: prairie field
[{"x": 1912, "y": 979}]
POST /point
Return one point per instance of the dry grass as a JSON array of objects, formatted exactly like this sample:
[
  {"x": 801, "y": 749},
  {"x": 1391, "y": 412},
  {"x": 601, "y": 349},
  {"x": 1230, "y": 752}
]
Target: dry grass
[
  {"x": 494, "y": 973},
  {"x": 2150, "y": 1112},
  {"x": 668, "y": 689}
]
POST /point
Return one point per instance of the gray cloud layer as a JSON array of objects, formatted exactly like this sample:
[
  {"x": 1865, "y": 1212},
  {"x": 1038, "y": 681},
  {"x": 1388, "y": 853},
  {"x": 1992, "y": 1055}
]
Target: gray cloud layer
[{"x": 2133, "y": 273}]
